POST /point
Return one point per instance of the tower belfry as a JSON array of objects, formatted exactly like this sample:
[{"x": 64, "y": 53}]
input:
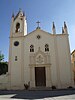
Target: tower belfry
[{"x": 18, "y": 24}]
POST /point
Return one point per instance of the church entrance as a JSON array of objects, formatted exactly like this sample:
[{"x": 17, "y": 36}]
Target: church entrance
[{"x": 40, "y": 76}]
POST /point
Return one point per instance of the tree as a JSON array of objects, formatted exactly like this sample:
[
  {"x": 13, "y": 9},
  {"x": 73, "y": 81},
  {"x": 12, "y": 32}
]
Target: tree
[
  {"x": 3, "y": 65},
  {"x": 3, "y": 68},
  {"x": 1, "y": 57}
]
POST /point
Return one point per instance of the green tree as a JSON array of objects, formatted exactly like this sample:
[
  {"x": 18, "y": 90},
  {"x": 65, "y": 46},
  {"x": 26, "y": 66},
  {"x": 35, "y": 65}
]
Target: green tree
[
  {"x": 1, "y": 57},
  {"x": 3, "y": 65},
  {"x": 3, "y": 68}
]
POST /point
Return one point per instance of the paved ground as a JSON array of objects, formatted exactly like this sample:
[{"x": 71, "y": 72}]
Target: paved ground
[{"x": 68, "y": 94}]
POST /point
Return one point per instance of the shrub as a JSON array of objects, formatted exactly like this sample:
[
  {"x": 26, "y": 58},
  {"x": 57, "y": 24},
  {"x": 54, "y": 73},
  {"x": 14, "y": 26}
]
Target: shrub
[
  {"x": 26, "y": 86},
  {"x": 70, "y": 87},
  {"x": 53, "y": 87},
  {"x": 3, "y": 68}
]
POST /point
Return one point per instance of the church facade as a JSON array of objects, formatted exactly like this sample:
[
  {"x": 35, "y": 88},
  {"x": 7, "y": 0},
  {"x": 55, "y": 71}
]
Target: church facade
[{"x": 38, "y": 58}]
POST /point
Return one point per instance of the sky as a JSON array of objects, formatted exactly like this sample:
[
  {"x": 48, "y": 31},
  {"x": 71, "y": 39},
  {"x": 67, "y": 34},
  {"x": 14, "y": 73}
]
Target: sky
[{"x": 45, "y": 11}]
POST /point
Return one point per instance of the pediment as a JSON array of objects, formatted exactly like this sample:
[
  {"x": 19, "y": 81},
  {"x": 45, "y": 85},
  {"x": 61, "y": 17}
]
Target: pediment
[{"x": 38, "y": 31}]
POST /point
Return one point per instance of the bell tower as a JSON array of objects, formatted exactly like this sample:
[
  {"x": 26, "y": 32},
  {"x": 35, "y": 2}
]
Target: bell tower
[
  {"x": 16, "y": 50},
  {"x": 18, "y": 25}
]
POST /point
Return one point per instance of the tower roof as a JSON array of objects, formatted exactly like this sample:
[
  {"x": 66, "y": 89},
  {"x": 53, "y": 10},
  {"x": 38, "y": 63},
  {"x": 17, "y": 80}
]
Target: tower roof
[{"x": 21, "y": 13}]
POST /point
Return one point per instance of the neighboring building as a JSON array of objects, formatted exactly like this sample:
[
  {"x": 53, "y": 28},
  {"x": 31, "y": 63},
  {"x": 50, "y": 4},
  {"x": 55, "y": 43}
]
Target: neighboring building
[
  {"x": 73, "y": 62},
  {"x": 39, "y": 58}
]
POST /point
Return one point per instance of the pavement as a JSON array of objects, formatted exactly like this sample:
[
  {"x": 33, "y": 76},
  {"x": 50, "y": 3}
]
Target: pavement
[{"x": 65, "y": 94}]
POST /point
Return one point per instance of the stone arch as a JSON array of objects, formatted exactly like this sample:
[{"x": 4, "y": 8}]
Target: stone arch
[{"x": 17, "y": 27}]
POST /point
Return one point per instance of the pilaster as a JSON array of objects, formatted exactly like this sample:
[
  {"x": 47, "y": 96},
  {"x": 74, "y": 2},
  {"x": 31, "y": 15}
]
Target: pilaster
[{"x": 57, "y": 62}]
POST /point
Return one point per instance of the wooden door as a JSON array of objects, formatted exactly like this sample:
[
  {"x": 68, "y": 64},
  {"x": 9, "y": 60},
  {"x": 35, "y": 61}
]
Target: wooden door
[{"x": 40, "y": 77}]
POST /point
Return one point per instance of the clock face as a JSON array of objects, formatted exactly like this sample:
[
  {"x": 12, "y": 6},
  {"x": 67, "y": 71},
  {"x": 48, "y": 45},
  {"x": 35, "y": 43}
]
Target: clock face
[{"x": 16, "y": 43}]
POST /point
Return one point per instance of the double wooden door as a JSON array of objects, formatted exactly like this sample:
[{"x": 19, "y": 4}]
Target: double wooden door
[{"x": 40, "y": 76}]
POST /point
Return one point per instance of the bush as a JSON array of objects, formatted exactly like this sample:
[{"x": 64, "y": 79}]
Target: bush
[
  {"x": 26, "y": 86},
  {"x": 53, "y": 87},
  {"x": 3, "y": 68},
  {"x": 70, "y": 87}
]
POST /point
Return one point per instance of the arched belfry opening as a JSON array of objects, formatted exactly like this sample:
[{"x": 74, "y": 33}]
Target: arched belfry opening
[{"x": 17, "y": 27}]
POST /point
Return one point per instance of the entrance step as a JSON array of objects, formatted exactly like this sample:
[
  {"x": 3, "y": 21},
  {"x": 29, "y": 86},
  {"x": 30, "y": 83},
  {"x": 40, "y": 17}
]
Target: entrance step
[{"x": 41, "y": 88}]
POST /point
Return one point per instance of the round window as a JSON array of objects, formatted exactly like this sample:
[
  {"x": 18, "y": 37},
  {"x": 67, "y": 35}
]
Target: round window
[{"x": 16, "y": 43}]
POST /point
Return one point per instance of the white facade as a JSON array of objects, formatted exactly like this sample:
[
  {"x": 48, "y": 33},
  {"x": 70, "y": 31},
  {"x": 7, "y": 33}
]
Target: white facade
[{"x": 39, "y": 58}]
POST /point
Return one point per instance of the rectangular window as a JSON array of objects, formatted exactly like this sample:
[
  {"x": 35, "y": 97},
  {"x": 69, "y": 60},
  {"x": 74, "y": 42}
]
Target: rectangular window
[
  {"x": 15, "y": 58},
  {"x": 46, "y": 47},
  {"x": 31, "y": 48}
]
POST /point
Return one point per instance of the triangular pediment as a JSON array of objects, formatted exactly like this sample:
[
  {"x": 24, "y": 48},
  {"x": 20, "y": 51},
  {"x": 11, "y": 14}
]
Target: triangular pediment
[{"x": 39, "y": 31}]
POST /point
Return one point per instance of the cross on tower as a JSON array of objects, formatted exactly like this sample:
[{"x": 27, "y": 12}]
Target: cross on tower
[{"x": 38, "y": 25}]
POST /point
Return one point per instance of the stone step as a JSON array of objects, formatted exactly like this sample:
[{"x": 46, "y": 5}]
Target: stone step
[{"x": 40, "y": 88}]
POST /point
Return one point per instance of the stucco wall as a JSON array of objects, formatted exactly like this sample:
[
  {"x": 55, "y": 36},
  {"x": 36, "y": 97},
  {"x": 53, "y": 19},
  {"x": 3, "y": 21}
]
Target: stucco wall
[
  {"x": 16, "y": 66},
  {"x": 3, "y": 81},
  {"x": 59, "y": 56},
  {"x": 46, "y": 38},
  {"x": 64, "y": 59}
]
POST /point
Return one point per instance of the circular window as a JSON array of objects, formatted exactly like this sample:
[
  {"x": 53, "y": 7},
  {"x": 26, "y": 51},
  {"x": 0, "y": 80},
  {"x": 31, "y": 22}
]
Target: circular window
[{"x": 16, "y": 43}]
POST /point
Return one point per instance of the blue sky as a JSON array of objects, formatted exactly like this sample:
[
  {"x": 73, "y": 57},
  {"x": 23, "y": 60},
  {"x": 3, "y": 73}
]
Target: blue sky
[{"x": 46, "y": 11}]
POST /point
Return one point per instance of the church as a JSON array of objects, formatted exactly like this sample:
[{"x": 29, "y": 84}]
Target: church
[{"x": 38, "y": 58}]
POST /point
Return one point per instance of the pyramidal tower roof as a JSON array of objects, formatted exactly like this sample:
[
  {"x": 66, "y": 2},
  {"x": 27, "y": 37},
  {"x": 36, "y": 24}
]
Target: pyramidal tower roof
[{"x": 20, "y": 13}]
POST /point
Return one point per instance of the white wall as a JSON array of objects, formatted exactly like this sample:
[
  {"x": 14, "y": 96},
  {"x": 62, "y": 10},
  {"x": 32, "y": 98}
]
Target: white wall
[
  {"x": 3, "y": 81},
  {"x": 64, "y": 60},
  {"x": 46, "y": 38},
  {"x": 20, "y": 70}
]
